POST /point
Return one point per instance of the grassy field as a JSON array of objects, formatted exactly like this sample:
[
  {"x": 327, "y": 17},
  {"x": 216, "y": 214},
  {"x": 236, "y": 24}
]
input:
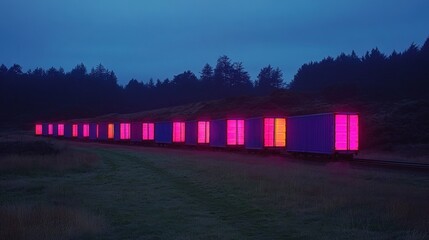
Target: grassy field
[{"x": 133, "y": 192}]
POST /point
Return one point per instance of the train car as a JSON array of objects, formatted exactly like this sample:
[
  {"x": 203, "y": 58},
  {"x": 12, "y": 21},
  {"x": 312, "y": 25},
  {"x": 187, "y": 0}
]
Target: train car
[
  {"x": 55, "y": 129},
  {"x": 265, "y": 133},
  {"x": 106, "y": 131},
  {"x": 83, "y": 130},
  {"x": 68, "y": 130},
  {"x": 327, "y": 133},
  {"x": 136, "y": 131},
  {"x": 197, "y": 132},
  {"x": 191, "y": 133},
  {"x": 142, "y": 131},
  {"x": 93, "y": 131},
  {"x": 164, "y": 132},
  {"x": 122, "y": 131},
  {"x": 227, "y": 133},
  {"x": 45, "y": 129}
]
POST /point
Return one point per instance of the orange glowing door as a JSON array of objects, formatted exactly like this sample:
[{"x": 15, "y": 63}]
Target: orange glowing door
[{"x": 110, "y": 131}]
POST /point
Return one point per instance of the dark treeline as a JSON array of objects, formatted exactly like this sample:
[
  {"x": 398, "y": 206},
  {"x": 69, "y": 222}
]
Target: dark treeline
[
  {"x": 374, "y": 76},
  {"x": 54, "y": 94}
]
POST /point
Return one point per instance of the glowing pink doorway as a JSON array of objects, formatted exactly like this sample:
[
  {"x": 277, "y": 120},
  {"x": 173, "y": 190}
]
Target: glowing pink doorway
[
  {"x": 125, "y": 131},
  {"x": 60, "y": 129},
  {"x": 178, "y": 132},
  {"x": 203, "y": 132},
  {"x": 148, "y": 131},
  {"x": 235, "y": 132},
  {"x": 346, "y": 132},
  {"x": 38, "y": 129}
]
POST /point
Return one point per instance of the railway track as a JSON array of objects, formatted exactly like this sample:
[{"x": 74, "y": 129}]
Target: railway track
[{"x": 424, "y": 167}]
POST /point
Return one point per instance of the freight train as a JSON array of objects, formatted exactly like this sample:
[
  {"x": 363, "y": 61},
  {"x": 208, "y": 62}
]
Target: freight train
[{"x": 328, "y": 133}]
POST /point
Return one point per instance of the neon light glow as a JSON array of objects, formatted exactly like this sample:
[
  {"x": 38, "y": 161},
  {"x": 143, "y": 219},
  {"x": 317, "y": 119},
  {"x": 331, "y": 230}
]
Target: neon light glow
[
  {"x": 50, "y": 129},
  {"x": 60, "y": 129},
  {"x": 85, "y": 130},
  {"x": 96, "y": 131},
  {"x": 74, "y": 130},
  {"x": 341, "y": 132},
  {"x": 346, "y": 132},
  {"x": 235, "y": 132},
  {"x": 353, "y": 132},
  {"x": 38, "y": 129},
  {"x": 148, "y": 131},
  {"x": 280, "y": 132},
  {"x": 274, "y": 132},
  {"x": 178, "y": 132},
  {"x": 110, "y": 131},
  {"x": 125, "y": 131},
  {"x": 203, "y": 131},
  {"x": 269, "y": 132}
]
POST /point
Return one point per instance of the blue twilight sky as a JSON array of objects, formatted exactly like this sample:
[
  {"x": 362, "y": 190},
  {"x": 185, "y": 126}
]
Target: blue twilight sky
[{"x": 145, "y": 39}]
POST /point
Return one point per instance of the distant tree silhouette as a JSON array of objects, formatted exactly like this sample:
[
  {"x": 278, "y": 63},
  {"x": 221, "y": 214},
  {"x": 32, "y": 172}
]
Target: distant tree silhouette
[
  {"x": 206, "y": 74},
  {"x": 223, "y": 72},
  {"x": 373, "y": 76},
  {"x": 269, "y": 79},
  {"x": 231, "y": 78},
  {"x": 54, "y": 94}
]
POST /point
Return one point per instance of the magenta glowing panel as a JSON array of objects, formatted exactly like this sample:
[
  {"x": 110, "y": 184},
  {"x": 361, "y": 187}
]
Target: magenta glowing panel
[
  {"x": 38, "y": 129},
  {"x": 74, "y": 130},
  {"x": 96, "y": 131},
  {"x": 340, "y": 132},
  {"x": 269, "y": 132},
  {"x": 346, "y": 132},
  {"x": 85, "y": 130},
  {"x": 235, "y": 132},
  {"x": 60, "y": 127},
  {"x": 50, "y": 129},
  {"x": 178, "y": 132},
  {"x": 203, "y": 132},
  {"x": 353, "y": 132},
  {"x": 125, "y": 131},
  {"x": 240, "y": 132},
  {"x": 148, "y": 131}
]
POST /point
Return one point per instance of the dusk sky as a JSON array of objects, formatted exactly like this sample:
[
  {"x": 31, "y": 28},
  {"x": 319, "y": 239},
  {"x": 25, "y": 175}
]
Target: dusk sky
[{"x": 159, "y": 38}]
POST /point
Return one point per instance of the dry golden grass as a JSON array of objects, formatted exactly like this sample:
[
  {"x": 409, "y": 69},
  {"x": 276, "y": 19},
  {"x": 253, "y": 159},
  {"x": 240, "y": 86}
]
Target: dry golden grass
[{"x": 46, "y": 222}]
